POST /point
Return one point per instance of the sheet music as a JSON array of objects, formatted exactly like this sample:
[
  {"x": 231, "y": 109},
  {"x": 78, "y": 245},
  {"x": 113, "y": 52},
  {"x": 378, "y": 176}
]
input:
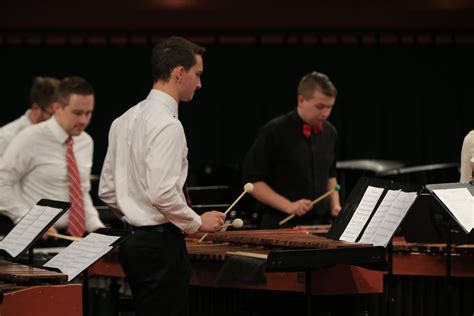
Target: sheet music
[
  {"x": 461, "y": 204},
  {"x": 28, "y": 228},
  {"x": 394, "y": 217},
  {"x": 379, "y": 216},
  {"x": 362, "y": 213},
  {"x": 79, "y": 255}
]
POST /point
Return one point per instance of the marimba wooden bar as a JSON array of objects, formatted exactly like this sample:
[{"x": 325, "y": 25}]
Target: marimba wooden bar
[{"x": 34, "y": 291}]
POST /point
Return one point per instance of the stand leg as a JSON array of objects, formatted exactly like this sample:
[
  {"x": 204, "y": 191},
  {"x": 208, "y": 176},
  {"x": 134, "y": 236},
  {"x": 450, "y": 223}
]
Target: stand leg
[
  {"x": 85, "y": 293},
  {"x": 448, "y": 272},
  {"x": 308, "y": 294},
  {"x": 448, "y": 254},
  {"x": 114, "y": 290},
  {"x": 390, "y": 291},
  {"x": 30, "y": 256}
]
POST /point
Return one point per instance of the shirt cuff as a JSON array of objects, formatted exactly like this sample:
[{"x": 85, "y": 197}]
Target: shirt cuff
[
  {"x": 194, "y": 225},
  {"x": 94, "y": 224}
]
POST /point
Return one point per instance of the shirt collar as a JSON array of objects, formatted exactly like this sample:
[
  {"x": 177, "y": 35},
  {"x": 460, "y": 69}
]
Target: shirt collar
[
  {"x": 58, "y": 132},
  {"x": 165, "y": 99},
  {"x": 26, "y": 118},
  {"x": 300, "y": 121},
  {"x": 297, "y": 118}
]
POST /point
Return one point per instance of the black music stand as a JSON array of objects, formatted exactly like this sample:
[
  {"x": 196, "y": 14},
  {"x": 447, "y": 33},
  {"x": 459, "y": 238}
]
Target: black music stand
[
  {"x": 436, "y": 220},
  {"x": 452, "y": 225},
  {"x": 350, "y": 207},
  {"x": 354, "y": 199},
  {"x": 31, "y": 227},
  {"x": 440, "y": 224},
  {"x": 21, "y": 237},
  {"x": 355, "y": 256},
  {"x": 455, "y": 220},
  {"x": 68, "y": 260}
]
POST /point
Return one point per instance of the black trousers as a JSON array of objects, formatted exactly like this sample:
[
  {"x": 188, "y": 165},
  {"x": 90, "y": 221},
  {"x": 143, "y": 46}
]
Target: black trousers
[{"x": 157, "y": 267}]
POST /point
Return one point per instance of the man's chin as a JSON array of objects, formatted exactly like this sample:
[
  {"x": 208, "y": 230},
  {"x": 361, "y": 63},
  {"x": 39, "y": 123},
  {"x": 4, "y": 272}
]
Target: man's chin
[
  {"x": 319, "y": 122},
  {"x": 315, "y": 123},
  {"x": 77, "y": 132},
  {"x": 187, "y": 99}
]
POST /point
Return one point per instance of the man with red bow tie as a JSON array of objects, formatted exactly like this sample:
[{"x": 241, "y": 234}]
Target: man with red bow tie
[{"x": 293, "y": 159}]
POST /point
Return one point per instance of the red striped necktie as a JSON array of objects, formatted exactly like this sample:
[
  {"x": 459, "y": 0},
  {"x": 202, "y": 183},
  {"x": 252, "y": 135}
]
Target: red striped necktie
[{"x": 77, "y": 223}]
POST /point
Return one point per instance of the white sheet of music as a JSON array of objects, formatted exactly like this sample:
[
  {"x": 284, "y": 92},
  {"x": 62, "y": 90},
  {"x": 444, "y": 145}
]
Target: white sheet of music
[
  {"x": 394, "y": 217},
  {"x": 28, "y": 228},
  {"x": 362, "y": 213},
  {"x": 79, "y": 255},
  {"x": 461, "y": 203},
  {"x": 379, "y": 216}
]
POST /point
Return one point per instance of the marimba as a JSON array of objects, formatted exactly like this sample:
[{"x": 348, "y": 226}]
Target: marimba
[
  {"x": 290, "y": 254},
  {"x": 417, "y": 286},
  {"x": 289, "y": 249},
  {"x": 33, "y": 291}
]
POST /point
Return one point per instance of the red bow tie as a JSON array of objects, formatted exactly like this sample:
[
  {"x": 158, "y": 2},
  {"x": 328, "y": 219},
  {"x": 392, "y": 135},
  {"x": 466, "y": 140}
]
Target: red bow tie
[{"x": 307, "y": 129}]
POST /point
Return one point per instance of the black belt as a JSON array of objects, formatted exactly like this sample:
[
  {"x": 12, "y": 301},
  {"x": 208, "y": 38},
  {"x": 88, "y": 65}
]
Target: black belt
[{"x": 154, "y": 228}]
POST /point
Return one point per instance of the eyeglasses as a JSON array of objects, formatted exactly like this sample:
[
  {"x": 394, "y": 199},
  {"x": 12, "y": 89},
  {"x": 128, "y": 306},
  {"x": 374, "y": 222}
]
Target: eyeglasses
[{"x": 49, "y": 113}]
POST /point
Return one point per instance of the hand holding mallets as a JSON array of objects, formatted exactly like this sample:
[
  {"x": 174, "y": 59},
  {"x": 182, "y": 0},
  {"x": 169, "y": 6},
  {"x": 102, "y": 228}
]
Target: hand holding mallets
[
  {"x": 337, "y": 187},
  {"x": 248, "y": 188}
]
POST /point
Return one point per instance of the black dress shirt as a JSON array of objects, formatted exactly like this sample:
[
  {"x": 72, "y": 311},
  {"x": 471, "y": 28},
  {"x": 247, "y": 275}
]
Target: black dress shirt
[{"x": 293, "y": 165}]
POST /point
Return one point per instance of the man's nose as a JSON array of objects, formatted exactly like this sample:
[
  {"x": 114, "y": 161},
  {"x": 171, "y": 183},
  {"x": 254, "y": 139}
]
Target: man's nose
[
  {"x": 326, "y": 113},
  {"x": 84, "y": 119}
]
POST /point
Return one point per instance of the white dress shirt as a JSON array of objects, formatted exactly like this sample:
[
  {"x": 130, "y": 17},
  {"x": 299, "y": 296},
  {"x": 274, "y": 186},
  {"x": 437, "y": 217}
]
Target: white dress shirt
[
  {"x": 467, "y": 158},
  {"x": 34, "y": 167},
  {"x": 146, "y": 166},
  {"x": 10, "y": 130}
]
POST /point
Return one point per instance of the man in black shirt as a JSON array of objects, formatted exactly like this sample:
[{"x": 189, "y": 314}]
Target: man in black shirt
[{"x": 293, "y": 159}]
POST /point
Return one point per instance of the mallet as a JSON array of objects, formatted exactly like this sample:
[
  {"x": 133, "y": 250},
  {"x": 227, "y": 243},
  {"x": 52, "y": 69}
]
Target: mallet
[
  {"x": 337, "y": 187},
  {"x": 248, "y": 188},
  {"x": 236, "y": 223}
]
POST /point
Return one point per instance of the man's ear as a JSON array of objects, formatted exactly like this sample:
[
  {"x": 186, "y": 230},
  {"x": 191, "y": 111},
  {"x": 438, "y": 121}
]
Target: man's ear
[
  {"x": 300, "y": 99},
  {"x": 178, "y": 73},
  {"x": 55, "y": 106}
]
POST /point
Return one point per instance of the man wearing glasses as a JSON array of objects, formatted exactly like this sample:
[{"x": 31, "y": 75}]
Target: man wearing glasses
[
  {"x": 53, "y": 159},
  {"x": 42, "y": 96}
]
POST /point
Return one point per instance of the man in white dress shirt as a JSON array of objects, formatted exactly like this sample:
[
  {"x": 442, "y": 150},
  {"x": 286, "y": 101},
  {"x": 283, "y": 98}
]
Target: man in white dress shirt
[
  {"x": 143, "y": 177},
  {"x": 42, "y": 96},
  {"x": 34, "y": 165}
]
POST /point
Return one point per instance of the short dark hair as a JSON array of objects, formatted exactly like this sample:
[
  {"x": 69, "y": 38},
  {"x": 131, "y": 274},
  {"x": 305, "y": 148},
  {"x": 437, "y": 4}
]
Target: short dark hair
[
  {"x": 43, "y": 91},
  {"x": 171, "y": 53},
  {"x": 316, "y": 81},
  {"x": 73, "y": 85}
]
